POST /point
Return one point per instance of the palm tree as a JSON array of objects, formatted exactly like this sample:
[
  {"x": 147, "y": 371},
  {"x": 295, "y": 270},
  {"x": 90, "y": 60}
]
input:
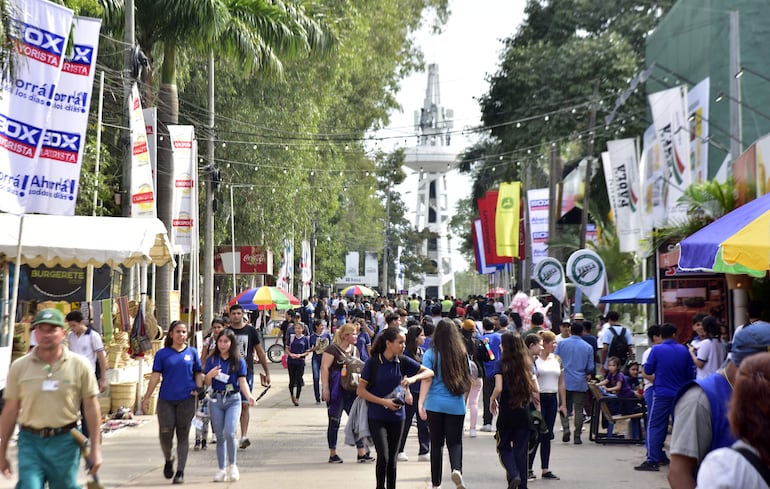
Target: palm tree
[{"x": 255, "y": 33}]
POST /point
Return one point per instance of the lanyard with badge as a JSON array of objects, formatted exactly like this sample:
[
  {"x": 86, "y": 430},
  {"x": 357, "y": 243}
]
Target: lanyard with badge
[
  {"x": 224, "y": 377},
  {"x": 50, "y": 384}
]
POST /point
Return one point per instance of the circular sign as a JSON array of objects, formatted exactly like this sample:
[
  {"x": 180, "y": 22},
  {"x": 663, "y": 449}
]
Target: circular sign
[
  {"x": 587, "y": 270},
  {"x": 549, "y": 273}
]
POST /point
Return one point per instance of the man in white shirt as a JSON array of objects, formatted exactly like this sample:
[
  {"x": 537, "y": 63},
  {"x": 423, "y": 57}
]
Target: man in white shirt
[{"x": 85, "y": 341}]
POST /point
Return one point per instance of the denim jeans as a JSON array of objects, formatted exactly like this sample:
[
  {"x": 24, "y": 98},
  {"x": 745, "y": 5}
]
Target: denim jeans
[
  {"x": 225, "y": 412},
  {"x": 512, "y": 450},
  {"x": 334, "y": 410},
  {"x": 53, "y": 459},
  {"x": 316, "y": 366}
]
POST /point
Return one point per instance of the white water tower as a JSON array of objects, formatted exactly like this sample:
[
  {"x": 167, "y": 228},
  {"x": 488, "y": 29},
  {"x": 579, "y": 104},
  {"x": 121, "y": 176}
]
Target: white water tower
[{"x": 432, "y": 159}]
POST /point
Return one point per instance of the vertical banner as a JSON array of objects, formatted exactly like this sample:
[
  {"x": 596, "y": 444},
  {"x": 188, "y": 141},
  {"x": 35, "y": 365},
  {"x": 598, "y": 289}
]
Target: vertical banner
[
  {"x": 305, "y": 272},
  {"x": 698, "y": 110},
  {"x": 183, "y": 217},
  {"x": 586, "y": 270},
  {"x": 550, "y": 275},
  {"x": 487, "y": 211},
  {"x": 286, "y": 273},
  {"x": 672, "y": 129},
  {"x": 537, "y": 200},
  {"x": 54, "y": 187},
  {"x": 763, "y": 165},
  {"x": 625, "y": 188},
  {"x": 651, "y": 176},
  {"x": 399, "y": 270},
  {"x": 40, "y": 31},
  {"x": 478, "y": 241},
  {"x": 507, "y": 217},
  {"x": 142, "y": 189},
  {"x": 151, "y": 128}
]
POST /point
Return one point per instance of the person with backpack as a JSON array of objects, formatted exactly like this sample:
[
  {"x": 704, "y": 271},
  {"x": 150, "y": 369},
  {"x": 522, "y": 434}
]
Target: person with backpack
[
  {"x": 386, "y": 376},
  {"x": 617, "y": 342}
]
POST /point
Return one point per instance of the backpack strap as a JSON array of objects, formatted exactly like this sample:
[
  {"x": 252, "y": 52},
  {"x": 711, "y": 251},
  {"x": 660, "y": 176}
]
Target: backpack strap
[{"x": 756, "y": 462}]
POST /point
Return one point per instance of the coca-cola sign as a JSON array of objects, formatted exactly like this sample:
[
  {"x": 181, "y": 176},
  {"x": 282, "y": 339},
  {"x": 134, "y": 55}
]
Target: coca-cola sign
[{"x": 247, "y": 259}]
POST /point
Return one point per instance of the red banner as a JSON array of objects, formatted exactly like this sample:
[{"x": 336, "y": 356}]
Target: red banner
[{"x": 487, "y": 209}]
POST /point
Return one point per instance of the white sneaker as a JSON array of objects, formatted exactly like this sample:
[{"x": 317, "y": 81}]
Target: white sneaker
[
  {"x": 234, "y": 474},
  {"x": 486, "y": 427},
  {"x": 220, "y": 476},
  {"x": 473, "y": 433},
  {"x": 457, "y": 478},
  {"x": 425, "y": 457},
  {"x": 402, "y": 457}
]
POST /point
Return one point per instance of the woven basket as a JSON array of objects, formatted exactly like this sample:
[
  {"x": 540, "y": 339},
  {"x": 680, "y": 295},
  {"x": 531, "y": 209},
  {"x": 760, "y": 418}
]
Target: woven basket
[
  {"x": 152, "y": 408},
  {"x": 123, "y": 395},
  {"x": 156, "y": 345},
  {"x": 105, "y": 405}
]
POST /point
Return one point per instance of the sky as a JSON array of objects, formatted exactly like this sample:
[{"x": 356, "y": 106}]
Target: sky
[{"x": 466, "y": 51}]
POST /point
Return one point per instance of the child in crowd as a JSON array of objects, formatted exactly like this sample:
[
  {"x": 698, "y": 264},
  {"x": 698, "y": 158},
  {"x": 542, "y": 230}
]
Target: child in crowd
[
  {"x": 297, "y": 349},
  {"x": 634, "y": 380},
  {"x": 201, "y": 423}
]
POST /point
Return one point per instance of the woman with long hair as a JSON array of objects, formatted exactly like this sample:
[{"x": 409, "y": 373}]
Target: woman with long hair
[
  {"x": 710, "y": 352},
  {"x": 179, "y": 366},
  {"x": 514, "y": 391},
  {"x": 415, "y": 339},
  {"x": 739, "y": 466},
  {"x": 384, "y": 379},
  {"x": 226, "y": 374},
  {"x": 476, "y": 353},
  {"x": 338, "y": 399},
  {"x": 442, "y": 400}
]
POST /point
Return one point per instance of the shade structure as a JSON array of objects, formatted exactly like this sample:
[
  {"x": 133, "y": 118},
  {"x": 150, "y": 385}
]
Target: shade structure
[
  {"x": 638, "y": 293},
  {"x": 265, "y": 297},
  {"x": 361, "y": 290},
  {"x": 736, "y": 243},
  {"x": 496, "y": 292}
]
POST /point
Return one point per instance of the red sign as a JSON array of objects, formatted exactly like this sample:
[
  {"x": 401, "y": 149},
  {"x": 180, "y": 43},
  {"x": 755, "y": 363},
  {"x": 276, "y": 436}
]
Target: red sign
[
  {"x": 247, "y": 259},
  {"x": 487, "y": 208}
]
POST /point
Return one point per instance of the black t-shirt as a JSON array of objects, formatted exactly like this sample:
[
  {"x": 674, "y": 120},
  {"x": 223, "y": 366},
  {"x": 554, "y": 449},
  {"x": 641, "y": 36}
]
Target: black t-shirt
[{"x": 247, "y": 338}]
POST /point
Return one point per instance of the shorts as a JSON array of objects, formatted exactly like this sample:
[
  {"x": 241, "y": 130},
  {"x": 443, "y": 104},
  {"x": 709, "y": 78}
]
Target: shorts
[{"x": 250, "y": 382}]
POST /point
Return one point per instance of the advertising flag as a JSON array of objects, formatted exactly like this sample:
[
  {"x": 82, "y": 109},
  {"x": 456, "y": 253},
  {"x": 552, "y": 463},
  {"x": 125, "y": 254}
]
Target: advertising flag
[
  {"x": 586, "y": 270},
  {"x": 487, "y": 211},
  {"x": 306, "y": 273},
  {"x": 624, "y": 175},
  {"x": 151, "y": 127},
  {"x": 507, "y": 219},
  {"x": 142, "y": 189},
  {"x": 40, "y": 31},
  {"x": 537, "y": 200},
  {"x": 669, "y": 115},
  {"x": 651, "y": 170},
  {"x": 550, "y": 275},
  {"x": 478, "y": 241},
  {"x": 698, "y": 118},
  {"x": 184, "y": 195}
]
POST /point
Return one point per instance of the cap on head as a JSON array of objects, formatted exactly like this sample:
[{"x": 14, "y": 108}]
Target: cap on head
[
  {"x": 503, "y": 320},
  {"x": 750, "y": 340},
  {"x": 578, "y": 316},
  {"x": 469, "y": 325},
  {"x": 53, "y": 317}
]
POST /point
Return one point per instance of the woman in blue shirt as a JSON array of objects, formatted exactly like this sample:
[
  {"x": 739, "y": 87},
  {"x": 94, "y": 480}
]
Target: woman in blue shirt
[
  {"x": 384, "y": 379},
  {"x": 442, "y": 399},
  {"x": 226, "y": 374}
]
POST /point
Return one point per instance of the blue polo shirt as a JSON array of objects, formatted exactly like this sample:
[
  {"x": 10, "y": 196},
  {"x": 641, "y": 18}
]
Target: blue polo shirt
[
  {"x": 494, "y": 345},
  {"x": 672, "y": 366},
  {"x": 388, "y": 378},
  {"x": 177, "y": 369},
  {"x": 577, "y": 358}
]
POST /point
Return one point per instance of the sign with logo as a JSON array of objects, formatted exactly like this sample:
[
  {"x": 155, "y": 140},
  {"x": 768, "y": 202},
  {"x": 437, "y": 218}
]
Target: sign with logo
[
  {"x": 622, "y": 177},
  {"x": 248, "y": 260},
  {"x": 550, "y": 275},
  {"x": 62, "y": 283},
  {"x": 586, "y": 270},
  {"x": 185, "y": 194},
  {"x": 538, "y": 202}
]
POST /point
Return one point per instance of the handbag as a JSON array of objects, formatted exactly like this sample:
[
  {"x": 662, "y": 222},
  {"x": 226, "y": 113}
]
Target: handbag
[{"x": 140, "y": 342}]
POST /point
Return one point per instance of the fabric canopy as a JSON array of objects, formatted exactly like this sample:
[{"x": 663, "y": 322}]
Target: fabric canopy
[
  {"x": 85, "y": 240},
  {"x": 639, "y": 293},
  {"x": 738, "y": 242}
]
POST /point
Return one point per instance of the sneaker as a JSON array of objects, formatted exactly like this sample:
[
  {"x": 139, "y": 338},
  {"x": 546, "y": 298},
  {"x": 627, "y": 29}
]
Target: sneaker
[
  {"x": 549, "y": 476},
  {"x": 565, "y": 437},
  {"x": 473, "y": 433},
  {"x": 531, "y": 476},
  {"x": 365, "y": 458},
  {"x": 578, "y": 441},
  {"x": 648, "y": 466},
  {"x": 664, "y": 462},
  {"x": 486, "y": 427},
  {"x": 245, "y": 443},
  {"x": 457, "y": 478},
  {"x": 168, "y": 469},
  {"x": 515, "y": 483},
  {"x": 197, "y": 445},
  {"x": 203, "y": 445},
  {"x": 220, "y": 476},
  {"x": 234, "y": 473},
  {"x": 178, "y": 477},
  {"x": 402, "y": 457},
  {"x": 335, "y": 459},
  {"x": 423, "y": 457}
]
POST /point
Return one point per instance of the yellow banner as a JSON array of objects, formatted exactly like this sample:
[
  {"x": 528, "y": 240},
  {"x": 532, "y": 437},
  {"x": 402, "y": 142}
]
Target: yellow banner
[{"x": 507, "y": 217}]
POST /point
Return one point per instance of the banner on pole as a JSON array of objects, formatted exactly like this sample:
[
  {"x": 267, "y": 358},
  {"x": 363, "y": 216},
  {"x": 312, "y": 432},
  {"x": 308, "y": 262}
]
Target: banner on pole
[
  {"x": 586, "y": 270},
  {"x": 183, "y": 216},
  {"x": 538, "y": 202},
  {"x": 622, "y": 177},
  {"x": 487, "y": 214},
  {"x": 40, "y": 30},
  {"x": 151, "y": 128},
  {"x": 142, "y": 189},
  {"x": 698, "y": 117},
  {"x": 507, "y": 219},
  {"x": 306, "y": 273},
  {"x": 550, "y": 275},
  {"x": 478, "y": 243}
]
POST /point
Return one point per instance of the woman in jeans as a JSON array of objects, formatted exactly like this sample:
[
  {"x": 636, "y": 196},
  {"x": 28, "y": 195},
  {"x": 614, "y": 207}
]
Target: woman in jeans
[
  {"x": 415, "y": 338},
  {"x": 442, "y": 399},
  {"x": 515, "y": 388},
  {"x": 180, "y": 367},
  {"x": 226, "y": 374},
  {"x": 338, "y": 399},
  {"x": 384, "y": 379}
]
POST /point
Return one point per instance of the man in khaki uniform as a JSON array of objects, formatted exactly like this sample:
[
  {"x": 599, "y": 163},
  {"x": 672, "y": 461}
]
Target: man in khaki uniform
[{"x": 44, "y": 391}]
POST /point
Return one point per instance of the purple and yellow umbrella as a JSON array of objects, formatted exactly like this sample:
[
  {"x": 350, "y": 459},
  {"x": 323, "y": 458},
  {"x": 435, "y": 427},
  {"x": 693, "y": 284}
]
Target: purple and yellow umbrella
[
  {"x": 736, "y": 243},
  {"x": 265, "y": 297},
  {"x": 355, "y": 290}
]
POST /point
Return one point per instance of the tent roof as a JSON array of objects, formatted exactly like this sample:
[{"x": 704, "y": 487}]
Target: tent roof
[
  {"x": 85, "y": 240},
  {"x": 638, "y": 293}
]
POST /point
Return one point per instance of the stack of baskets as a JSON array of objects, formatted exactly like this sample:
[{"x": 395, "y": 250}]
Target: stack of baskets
[
  {"x": 117, "y": 351},
  {"x": 122, "y": 395}
]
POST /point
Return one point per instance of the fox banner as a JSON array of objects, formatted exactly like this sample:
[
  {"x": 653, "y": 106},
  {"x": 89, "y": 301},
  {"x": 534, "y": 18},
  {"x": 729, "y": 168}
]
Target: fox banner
[
  {"x": 550, "y": 275},
  {"x": 537, "y": 200},
  {"x": 184, "y": 196},
  {"x": 586, "y": 270},
  {"x": 507, "y": 219},
  {"x": 40, "y": 31},
  {"x": 142, "y": 188},
  {"x": 622, "y": 176}
]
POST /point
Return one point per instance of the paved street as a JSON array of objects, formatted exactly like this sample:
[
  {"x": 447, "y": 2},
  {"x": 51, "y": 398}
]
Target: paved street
[{"x": 289, "y": 450}]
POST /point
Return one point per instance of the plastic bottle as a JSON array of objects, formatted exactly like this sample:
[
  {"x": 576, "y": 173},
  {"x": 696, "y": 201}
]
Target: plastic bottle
[
  {"x": 344, "y": 371},
  {"x": 489, "y": 351}
]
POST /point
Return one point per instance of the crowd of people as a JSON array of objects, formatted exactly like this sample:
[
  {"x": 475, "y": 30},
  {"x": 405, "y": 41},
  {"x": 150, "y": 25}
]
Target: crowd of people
[{"x": 389, "y": 361}]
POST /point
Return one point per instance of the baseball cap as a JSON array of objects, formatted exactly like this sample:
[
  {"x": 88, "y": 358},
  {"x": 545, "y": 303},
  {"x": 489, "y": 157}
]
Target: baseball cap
[
  {"x": 503, "y": 320},
  {"x": 49, "y": 316},
  {"x": 469, "y": 325},
  {"x": 750, "y": 340}
]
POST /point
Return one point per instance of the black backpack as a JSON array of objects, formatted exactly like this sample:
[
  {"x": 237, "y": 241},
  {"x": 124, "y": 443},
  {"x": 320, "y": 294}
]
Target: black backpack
[{"x": 618, "y": 345}]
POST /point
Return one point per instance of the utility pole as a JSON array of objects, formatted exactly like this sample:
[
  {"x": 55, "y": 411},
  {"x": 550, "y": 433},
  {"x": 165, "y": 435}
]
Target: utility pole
[
  {"x": 386, "y": 247},
  {"x": 589, "y": 164},
  {"x": 208, "y": 226},
  {"x": 130, "y": 39}
]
